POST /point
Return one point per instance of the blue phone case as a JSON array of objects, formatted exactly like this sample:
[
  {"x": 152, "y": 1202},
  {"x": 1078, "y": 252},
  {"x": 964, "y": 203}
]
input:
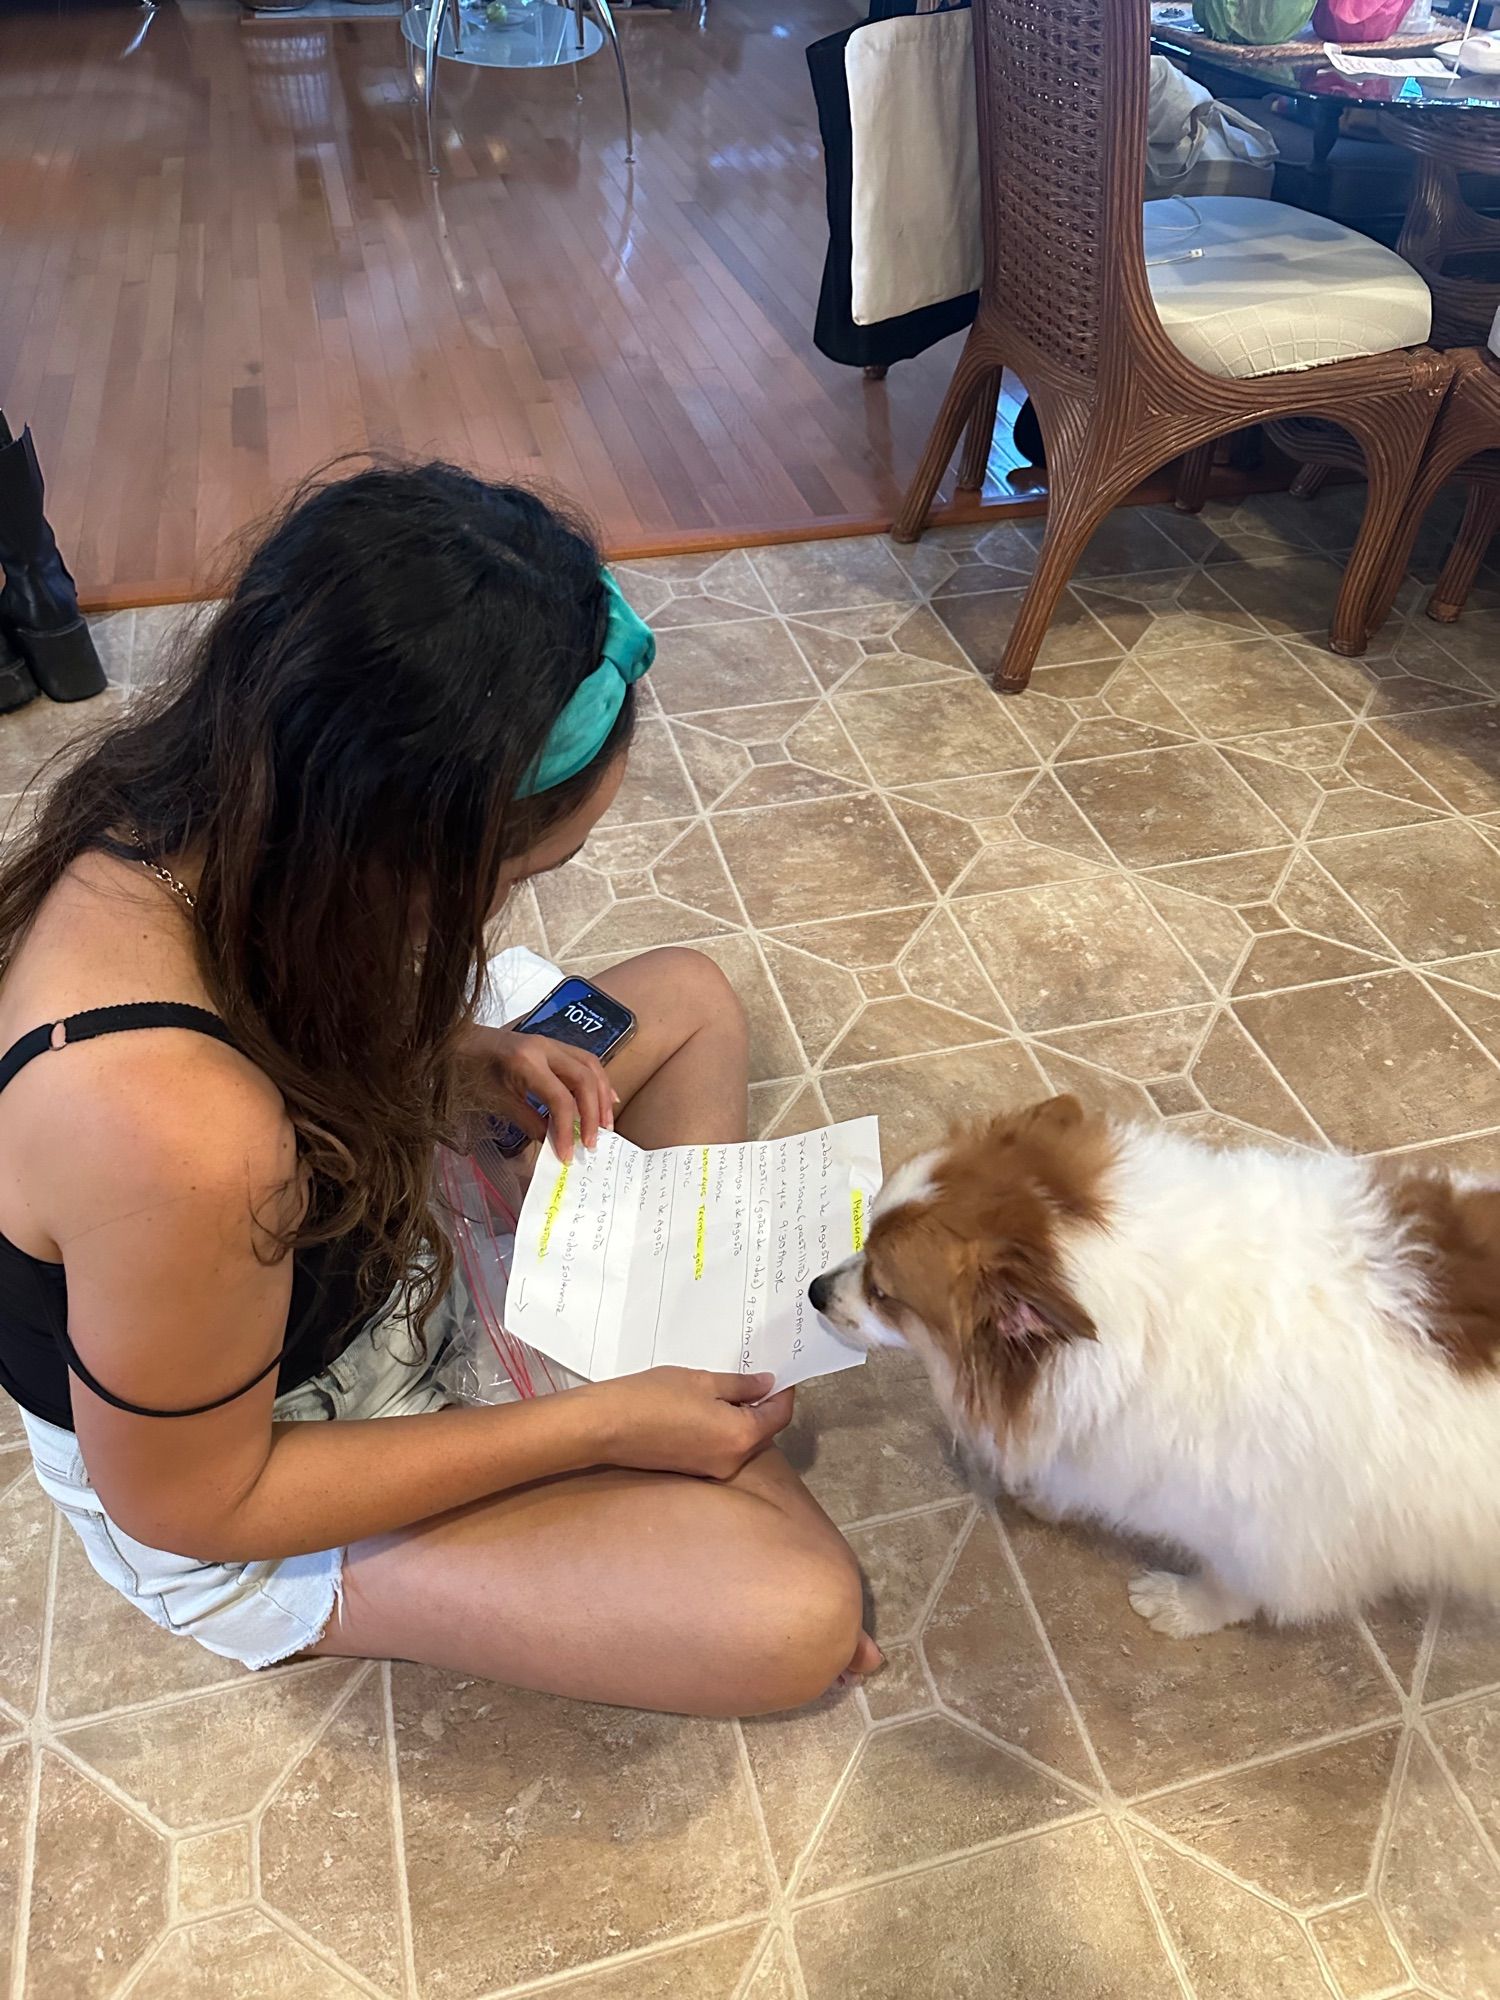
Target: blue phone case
[{"x": 580, "y": 1015}]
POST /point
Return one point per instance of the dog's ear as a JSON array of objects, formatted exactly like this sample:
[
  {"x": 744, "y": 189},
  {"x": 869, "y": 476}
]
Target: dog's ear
[
  {"x": 1021, "y": 1295},
  {"x": 1020, "y": 1311},
  {"x": 1052, "y": 1116}
]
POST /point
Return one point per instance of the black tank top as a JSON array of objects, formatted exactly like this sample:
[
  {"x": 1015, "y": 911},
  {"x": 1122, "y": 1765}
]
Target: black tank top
[{"x": 36, "y": 1354}]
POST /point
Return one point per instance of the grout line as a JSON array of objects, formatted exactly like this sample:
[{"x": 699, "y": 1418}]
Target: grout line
[
  {"x": 1122, "y": 1833},
  {"x": 23, "y": 1466},
  {"x": 966, "y": 1723},
  {"x": 1383, "y": 1836},
  {"x": 794, "y": 1959},
  {"x": 307, "y": 1743},
  {"x": 1283, "y": 1752},
  {"x": 65, "y": 1726},
  {"x": 1486, "y": 1691},
  {"x": 1320, "y": 1959},
  {"x": 777, "y": 1904},
  {"x": 1465, "y": 1803},
  {"x": 398, "y": 1834},
  {"x": 133, "y": 1807},
  {"x": 31, "y": 1827},
  {"x": 830, "y": 1808},
  {"x": 1085, "y": 1816},
  {"x": 1018, "y": 1576},
  {"x": 959, "y": 1499},
  {"x": 1403, "y": 1695},
  {"x": 315, "y": 1948},
  {"x": 753, "y": 1964},
  {"x": 1210, "y": 1863},
  {"x": 637, "y": 1955},
  {"x": 958, "y": 1542}
]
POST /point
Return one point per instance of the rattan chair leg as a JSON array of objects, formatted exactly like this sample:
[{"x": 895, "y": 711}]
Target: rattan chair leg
[
  {"x": 1444, "y": 456},
  {"x": 978, "y": 438},
  {"x": 1309, "y": 481},
  {"x": 1394, "y": 435},
  {"x": 1076, "y": 504},
  {"x": 975, "y": 368},
  {"x": 1193, "y": 470},
  {"x": 1471, "y": 544}
]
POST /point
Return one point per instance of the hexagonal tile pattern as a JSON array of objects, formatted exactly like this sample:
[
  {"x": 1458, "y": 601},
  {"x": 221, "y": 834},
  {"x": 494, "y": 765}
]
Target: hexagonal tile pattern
[
  {"x": 1096, "y": 1937},
  {"x": 1441, "y": 1884},
  {"x": 1202, "y": 871},
  {"x": 1303, "y": 1830},
  {"x": 518, "y": 1787}
]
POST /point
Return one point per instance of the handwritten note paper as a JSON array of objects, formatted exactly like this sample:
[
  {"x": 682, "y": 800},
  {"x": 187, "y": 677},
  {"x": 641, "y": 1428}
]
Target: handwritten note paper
[
  {"x": 1348, "y": 65},
  {"x": 699, "y": 1255}
]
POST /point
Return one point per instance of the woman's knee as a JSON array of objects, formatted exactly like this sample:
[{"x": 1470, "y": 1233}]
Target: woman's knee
[
  {"x": 800, "y": 1633},
  {"x": 699, "y": 994}
]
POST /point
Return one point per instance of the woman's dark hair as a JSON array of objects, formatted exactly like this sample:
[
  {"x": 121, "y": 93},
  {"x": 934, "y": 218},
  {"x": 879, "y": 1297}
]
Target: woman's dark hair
[{"x": 341, "y": 747}]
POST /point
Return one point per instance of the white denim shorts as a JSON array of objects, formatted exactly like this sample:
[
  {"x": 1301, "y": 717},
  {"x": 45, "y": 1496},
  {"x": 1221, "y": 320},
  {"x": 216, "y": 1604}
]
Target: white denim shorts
[
  {"x": 255, "y": 1612},
  {"x": 261, "y": 1613}
]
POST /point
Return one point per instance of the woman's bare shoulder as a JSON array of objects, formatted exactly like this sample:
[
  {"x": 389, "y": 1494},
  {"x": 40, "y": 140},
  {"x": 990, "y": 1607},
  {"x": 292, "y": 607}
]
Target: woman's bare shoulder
[{"x": 137, "y": 1116}]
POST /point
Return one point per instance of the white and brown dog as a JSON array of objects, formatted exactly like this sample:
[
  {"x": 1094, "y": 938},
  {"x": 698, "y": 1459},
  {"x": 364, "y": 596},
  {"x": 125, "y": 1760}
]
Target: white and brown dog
[{"x": 1288, "y": 1367}]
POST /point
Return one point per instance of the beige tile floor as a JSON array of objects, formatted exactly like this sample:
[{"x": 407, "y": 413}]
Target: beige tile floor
[{"x": 1203, "y": 871}]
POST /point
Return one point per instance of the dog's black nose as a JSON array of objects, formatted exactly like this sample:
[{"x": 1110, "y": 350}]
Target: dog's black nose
[{"x": 817, "y": 1291}]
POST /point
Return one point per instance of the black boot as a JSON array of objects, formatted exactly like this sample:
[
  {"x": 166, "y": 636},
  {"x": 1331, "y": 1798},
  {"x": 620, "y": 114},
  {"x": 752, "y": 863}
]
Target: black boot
[
  {"x": 39, "y": 612},
  {"x": 1028, "y": 436},
  {"x": 16, "y": 685}
]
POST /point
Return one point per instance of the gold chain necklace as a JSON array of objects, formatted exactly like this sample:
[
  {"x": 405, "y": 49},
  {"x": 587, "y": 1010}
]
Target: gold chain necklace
[{"x": 164, "y": 874}]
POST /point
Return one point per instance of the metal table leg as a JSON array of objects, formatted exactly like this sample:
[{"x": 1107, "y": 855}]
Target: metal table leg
[{"x": 612, "y": 36}]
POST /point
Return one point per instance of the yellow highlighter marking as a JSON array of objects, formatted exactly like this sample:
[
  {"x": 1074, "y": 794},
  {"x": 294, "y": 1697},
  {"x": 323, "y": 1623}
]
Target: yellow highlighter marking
[
  {"x": 702, "y": 1232},
  {"x": 554, "y": 1209},
  {"x": 857, "y": 1206}
]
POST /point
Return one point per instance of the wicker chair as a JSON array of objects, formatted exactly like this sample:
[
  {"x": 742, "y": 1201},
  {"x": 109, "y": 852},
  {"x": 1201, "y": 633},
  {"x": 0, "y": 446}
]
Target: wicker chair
[
  {"x": 1465, "y": 443},
  {"x": 1067, "y": 303}
]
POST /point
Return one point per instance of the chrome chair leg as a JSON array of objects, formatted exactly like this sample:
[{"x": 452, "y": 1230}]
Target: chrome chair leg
[
  {"x": 612, "y": 36},
  {"x": 437, "y": 9}
]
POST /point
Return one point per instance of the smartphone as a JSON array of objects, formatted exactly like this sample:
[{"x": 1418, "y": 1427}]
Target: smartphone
[{"x": 579, "y": 1014}]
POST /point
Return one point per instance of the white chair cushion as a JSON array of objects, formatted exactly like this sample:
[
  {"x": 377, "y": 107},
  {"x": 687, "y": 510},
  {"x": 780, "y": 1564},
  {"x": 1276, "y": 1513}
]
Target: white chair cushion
[
  {"x": 1495, "y": 334},
  {"x": 1277, "y": 288}
]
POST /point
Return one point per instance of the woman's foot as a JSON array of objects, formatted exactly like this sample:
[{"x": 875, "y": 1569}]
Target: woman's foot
[{"x": 867, "y": 1661}]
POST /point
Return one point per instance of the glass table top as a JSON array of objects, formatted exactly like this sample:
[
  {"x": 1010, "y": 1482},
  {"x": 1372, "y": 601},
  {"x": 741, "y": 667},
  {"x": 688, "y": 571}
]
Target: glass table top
[
  {"x": 525, "y": 34},
  {"x": 1313, "y": 75}
]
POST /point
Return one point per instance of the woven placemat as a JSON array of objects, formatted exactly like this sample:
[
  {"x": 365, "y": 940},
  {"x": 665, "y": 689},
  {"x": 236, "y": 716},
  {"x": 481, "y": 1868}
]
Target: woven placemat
[{"x": 1188, "y": 36}]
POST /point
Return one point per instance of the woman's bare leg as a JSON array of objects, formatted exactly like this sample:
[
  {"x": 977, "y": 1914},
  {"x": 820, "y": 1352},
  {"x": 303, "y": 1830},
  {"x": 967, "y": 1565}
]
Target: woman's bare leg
[
  {"x": 640, "y": 1588},
  {"x": 682, "y": 1075},
  {"x": 682, "y": 1080}
]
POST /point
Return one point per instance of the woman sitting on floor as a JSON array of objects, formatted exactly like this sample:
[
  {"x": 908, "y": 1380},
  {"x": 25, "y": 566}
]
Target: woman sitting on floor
[{"x": 244, "y": 952}]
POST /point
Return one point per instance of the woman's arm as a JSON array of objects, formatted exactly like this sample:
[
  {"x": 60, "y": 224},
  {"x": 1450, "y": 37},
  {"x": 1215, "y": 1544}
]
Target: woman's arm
[{"x": 172, "y": 1303}]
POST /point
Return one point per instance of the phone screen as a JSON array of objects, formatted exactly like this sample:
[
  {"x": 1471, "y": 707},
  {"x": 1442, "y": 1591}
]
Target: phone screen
[{"x": 579, "y": 1014}]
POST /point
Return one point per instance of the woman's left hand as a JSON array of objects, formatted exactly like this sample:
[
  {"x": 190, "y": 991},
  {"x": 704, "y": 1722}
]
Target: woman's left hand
[{"x": 571, "y": 1083}]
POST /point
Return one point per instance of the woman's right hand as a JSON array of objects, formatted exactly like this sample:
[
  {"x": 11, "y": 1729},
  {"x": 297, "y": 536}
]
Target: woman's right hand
[{"x": 689, "y": 1420}]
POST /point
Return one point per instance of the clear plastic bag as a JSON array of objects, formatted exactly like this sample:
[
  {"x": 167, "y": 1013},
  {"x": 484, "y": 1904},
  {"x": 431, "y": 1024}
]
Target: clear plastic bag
[{"x": 480, "y": 1199}]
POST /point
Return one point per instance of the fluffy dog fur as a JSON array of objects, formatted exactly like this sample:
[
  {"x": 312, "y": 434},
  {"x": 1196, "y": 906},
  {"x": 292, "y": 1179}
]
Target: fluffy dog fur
[{"x": 1287, "y": 1366}]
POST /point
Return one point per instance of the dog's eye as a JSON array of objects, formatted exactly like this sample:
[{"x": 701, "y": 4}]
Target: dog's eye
[{"x": 877, "y": 1296}]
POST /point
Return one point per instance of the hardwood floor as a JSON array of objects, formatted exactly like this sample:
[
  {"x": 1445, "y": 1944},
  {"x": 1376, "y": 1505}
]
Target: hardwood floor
[{"x": 222, "y": 263}]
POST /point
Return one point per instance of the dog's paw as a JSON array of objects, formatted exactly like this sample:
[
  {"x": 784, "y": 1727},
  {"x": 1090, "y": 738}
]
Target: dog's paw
[{"x": 1182, "y": 1607}]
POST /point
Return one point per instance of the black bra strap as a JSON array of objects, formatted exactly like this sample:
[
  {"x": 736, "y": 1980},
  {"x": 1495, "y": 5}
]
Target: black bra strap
[
  {"x": 76, "y": 1363},
  {"x": 96, "y": 1021},
  {"x": 88, "y": 1027}
]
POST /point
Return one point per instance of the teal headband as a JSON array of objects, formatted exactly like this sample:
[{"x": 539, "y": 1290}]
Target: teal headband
[{"x": 581, "y": 731}]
